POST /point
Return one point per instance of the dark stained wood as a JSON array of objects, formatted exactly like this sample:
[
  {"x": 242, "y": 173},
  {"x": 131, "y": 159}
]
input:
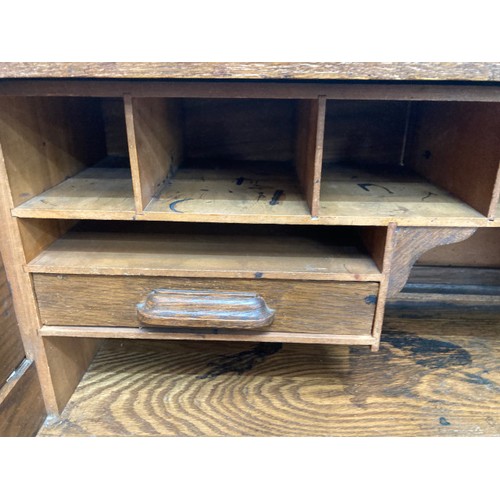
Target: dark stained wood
[
  {"x": 430, "y": 378},
  {"x": 113, "y": 114},
  {"x": 482, "y": 249},
  {"x": 22, "y": 410},
  {"x": 345, "y": 308},
  {"x": 204, "y": 309},
  {"x": 11, "y": 346},
  {"x": 473, "y": 71},
  {"x": 471, "y": 279},
  {"x": 410, "y": 243},
  {"x": 457, "y": 146},
  {"x": 418, "y": 91},
  {"x": 309, "y": 149},
  {"x": 239, "y": 129},
  {"x": 365, "y": 132}
]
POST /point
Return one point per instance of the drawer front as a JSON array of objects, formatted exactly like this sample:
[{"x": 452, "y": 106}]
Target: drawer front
[{"x": 341, "y": 308}]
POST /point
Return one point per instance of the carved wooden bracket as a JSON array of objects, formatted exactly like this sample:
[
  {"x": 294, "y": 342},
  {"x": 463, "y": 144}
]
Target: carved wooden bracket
[{"x": 410, "y": 243}]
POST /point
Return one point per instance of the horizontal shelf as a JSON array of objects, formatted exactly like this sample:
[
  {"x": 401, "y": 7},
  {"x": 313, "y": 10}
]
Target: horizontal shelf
[
  {"x": 377, "y": 196},
  {"x": 156, "y": 334},
  {"x": 243, "y": 253},
  {"x": 98, "y": 192},
  {"x": 238, "y": 192}
]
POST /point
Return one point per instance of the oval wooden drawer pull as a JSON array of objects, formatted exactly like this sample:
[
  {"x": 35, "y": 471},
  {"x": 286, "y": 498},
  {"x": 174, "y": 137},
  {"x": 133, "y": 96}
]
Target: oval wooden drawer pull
[{"x": 204, "y": 309}]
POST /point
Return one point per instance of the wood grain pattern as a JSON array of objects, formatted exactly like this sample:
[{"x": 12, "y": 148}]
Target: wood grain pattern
[
  {"x": 155, "y": 144},
  {"x": 430, "y": 378},
  {"x": 94, "y": 193},
  {"x": 113, "y": 332},
  {"x": 482, "y": 249},
  {"x": 68, "y": 360},
  {"x": 309, "y": 149},
  {"x": 378, "y": 196},
  {"x": 239, "y": 192},
  {"x": 410, "y": 243},
  {"x": 46, "y": 140},
  {"x": 457, "y": 146},
  {"x": 38, "y": 234},
  {"x": 11, "y": 346},
  {"x": 301, "y": 306},
  {"x": 472, "y": 71},
  {"x": 204, "y": 309},
  {"x": 237, "y": 253},
  {"x": 364, "y": 132},
  {"x": 235, "y": 130},
  {"x": 458, "y": 280},
  {"x": 22, "y": 409}
]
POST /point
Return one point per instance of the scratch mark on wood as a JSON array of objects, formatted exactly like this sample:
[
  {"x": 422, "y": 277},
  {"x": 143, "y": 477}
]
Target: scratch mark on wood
[
  {"x": 174, "y": 204},
  {"x": 366, "y": 185},
  {"x": 428, "y": 195},
  {"x": 242, "y": 361},
  {"x": 276, "y": 197}
]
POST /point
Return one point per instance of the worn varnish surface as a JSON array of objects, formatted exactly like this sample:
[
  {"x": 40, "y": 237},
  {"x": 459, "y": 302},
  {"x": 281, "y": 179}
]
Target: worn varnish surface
[
  {"x": 487, "y": 71},
  {"x": 231, "y": 192},
  {"x": 95, "y": 193},
  {"x": 11, "y": 347},
  {"x": 343, "y": 308},
  {"x": 430, "y": 378},
  {"x": 265, "y": 254},
  {"x": 21, "y": 403},
  {"x": 370, "y": 195}
]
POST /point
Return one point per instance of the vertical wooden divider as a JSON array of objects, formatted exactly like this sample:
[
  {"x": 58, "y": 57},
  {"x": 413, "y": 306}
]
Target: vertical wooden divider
[
  {"x": 15, "y": 236},
  {"x": 309, "y": 149},
  {"x": 154, "y": 132},
  {"x": 379, "y": 241}
]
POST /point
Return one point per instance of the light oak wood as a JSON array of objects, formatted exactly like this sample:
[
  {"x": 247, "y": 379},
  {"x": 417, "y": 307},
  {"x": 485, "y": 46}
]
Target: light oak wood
[
  {"x": 309, "y": 149},
  {"x": 22, "y": 409},
  {"x": 95, "y": 193},
  {"x": 457, "y": 146},
  {"x": 482, "y": 249},
  {"x": 25, "y": 304},
  {"x": 469, "y": 71},
  {"x": 235, "y": 192},
  {"x": 11, "y": 347},
  {"x": 260, "y": 254},
  {"x": 155, "y": 144},
  {"x": 341, "y": 308},
  {"x": 38, "y": 234},
  {"x": 68, "y": 360},
  {"x": 378, "y": 196},
  {"x": 103, "y": 332},
  {"x": 45, "y": 140},
  {"x": 410, "y": 243},
  {"x": 431, "y": 377}
]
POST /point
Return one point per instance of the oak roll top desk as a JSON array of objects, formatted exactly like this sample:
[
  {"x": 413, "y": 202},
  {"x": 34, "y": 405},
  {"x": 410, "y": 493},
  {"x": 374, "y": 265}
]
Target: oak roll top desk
[{"x": 259, "y": 202}]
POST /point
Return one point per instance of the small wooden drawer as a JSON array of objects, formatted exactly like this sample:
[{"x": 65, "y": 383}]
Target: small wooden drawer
[{"x": 307, "y": 307}]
